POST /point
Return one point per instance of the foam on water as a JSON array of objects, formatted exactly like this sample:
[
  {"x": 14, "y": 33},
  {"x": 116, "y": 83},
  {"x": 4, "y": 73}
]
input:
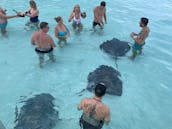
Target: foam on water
[{"x": 146, "y": 100}]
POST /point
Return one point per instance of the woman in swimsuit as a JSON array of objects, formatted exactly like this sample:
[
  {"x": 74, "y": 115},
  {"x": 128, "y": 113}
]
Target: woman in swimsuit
[
  {"x": 76, "y": 16},
  {"x": 33, "y": 13},
  {"x": 61, "y": 31},
  {"x": 3, "y": 20}
]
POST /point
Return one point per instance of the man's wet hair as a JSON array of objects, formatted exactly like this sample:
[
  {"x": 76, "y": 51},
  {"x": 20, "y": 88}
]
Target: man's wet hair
[
  {"x": 43, "y": 25},
  {"x": 103, "y": 3},
  {"x": 100, "y": 90},
  {"x": 144, "y": 21}
]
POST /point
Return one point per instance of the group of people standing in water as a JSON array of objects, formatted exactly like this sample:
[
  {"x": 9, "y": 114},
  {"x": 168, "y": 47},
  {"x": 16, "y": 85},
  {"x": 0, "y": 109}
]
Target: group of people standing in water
[{"x": 95, "y": 113}]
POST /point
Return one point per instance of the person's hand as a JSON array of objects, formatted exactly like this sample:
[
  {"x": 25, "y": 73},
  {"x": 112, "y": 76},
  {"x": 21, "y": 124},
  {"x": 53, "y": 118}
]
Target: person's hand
[
  {"x": 132, "y": 34},
  {"x": 101, "y": 25},
  {"x": 33, "y": 43},
  {"x": 20, "y": 14}
]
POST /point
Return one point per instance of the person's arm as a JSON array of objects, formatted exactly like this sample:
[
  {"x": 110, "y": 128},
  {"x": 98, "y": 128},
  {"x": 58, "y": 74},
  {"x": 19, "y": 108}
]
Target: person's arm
[
  {"x": 68, "y": 32},
  {"x": 7, "y": 17},
  {"x": 133, "y": 35},
  {"x": 107, "y": 117},
  {"x": 33, "y": 14},
  {"x": 80, "y": 105},
  {"x": 33, "y": 39},
  {"x": 105, "y": 16},
  {"x": 71, "y": 17},
  {"x": 140, "y": 37},
  {"x": 51, "y": 41},
  {"x": 56, "y": 32}
]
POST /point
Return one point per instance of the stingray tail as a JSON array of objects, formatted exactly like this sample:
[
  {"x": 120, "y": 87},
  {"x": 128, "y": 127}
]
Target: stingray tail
[{"x": 2, "y": 126}]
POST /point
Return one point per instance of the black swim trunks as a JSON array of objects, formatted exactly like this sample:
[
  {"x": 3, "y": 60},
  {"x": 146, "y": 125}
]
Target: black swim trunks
[
  {"x": 95, "y": 24},
  {"x": 44, "y": 51},
  {"x": 85, "y": 125}
]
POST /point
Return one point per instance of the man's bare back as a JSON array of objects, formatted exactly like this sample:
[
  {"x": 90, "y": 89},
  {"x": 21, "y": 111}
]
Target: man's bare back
[
  {"x": 42, "y": 40},
  {"x": 102, "y": 111}
]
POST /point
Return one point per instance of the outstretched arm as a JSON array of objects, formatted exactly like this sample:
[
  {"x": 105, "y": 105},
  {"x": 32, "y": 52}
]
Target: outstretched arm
[
  {"x": 7, "y": 17},
  {"x": 33, "y": 14}
]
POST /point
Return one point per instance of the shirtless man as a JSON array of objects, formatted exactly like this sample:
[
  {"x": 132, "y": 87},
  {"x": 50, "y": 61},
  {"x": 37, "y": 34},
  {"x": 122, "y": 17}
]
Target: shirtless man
[
  {"x": 140, "y": 38},
  {"x": 99, "y": 13},
  {"x": 44, "y": 43},
  {"x": 3, "y": 20},
  {"x": 95, "y": 113}
]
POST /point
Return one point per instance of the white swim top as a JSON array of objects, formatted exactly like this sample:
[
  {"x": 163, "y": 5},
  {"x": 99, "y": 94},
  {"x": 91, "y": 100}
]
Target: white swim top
[{"x": 77, "y": 21}]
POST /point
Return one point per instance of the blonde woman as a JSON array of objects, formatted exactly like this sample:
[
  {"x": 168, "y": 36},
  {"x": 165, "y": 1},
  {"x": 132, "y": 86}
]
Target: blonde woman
[
  {"x": 76, "y": 16},
  {"x": 33, "y": 13},
  {"x": 61, "y": 31}
]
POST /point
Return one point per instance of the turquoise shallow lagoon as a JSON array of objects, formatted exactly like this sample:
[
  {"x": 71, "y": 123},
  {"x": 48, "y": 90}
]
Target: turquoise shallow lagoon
[{"x": 147, "y": 92}]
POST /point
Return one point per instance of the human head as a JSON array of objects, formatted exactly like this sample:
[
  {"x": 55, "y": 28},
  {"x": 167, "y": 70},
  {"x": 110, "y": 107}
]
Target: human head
[
  {"x": 143, "y": 21},
  {"x": 58, "y": 19},
  {"x": 44, "y": 27},
  {"x": 103, "y": 3},
  {"x": 33, "y": 4},
  {"x": 76, "y": 8},
  {"x": 100, "y": 90}
]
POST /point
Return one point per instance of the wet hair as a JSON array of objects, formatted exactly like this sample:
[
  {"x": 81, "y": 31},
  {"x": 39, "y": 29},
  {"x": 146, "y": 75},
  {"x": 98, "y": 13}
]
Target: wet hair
[
  {"x": 100, "y": 90},
  {"x": 144, "y": 21},
  {"x": 33, "y": 4},
  {"x": 103, "y": 3},
  {"x": 57, "y": 19},
  {"x": 76, "y": 6},
  {"x": 43, "y": 25}
]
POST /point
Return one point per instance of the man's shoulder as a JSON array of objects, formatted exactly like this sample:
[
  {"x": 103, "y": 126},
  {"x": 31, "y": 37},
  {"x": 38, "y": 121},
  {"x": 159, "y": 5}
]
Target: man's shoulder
[
  {"x": 105, "y": 107},
  {"x": 86, "y": 100},
  {"x": 95, "y": 8}
]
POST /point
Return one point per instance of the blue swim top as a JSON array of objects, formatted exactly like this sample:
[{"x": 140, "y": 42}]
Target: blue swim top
[{"x": 63, "y": 33}]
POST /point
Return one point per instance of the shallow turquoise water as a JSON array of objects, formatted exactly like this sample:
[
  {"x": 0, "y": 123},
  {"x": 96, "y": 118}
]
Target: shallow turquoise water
[{"x": 146, "y": 100}]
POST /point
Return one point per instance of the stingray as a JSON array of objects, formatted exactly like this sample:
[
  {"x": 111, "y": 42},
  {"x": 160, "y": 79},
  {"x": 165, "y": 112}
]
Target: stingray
[
  {"x": 1, "y": 125},
  {"x": 37, "y": 112},
  {"x": 115, "y": 48},
  {"x": 107, "y": 75}
]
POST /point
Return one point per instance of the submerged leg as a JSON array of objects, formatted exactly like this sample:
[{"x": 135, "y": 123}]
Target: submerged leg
[
  {"x": 133, "y": 56},
  {"x": 140, "y": 51},
  {"x": 41, "y": 60},
  {"x": 51, "y": 56},
  {"x": 60, "y": 43},
  {"x": 65, "y": 41},
  {"x": 3, "y": 31}
]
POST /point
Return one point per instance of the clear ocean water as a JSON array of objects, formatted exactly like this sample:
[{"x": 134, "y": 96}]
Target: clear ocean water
[{"x": 147, "y": 92}]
